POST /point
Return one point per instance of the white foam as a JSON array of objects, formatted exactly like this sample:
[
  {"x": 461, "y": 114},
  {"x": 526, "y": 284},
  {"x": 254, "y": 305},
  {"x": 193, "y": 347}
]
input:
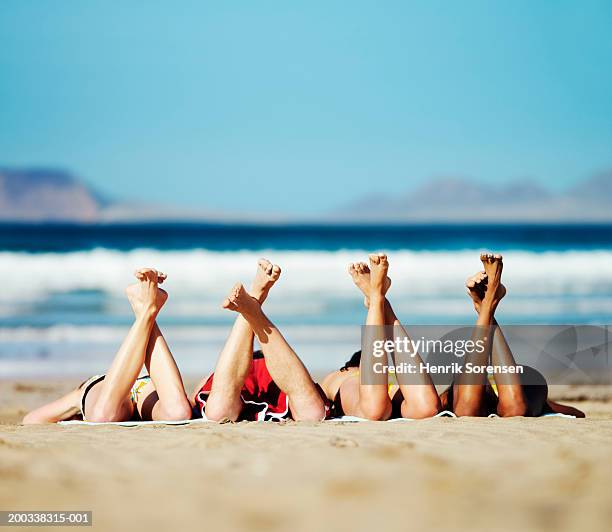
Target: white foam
[{"x": 309, "y": 275}]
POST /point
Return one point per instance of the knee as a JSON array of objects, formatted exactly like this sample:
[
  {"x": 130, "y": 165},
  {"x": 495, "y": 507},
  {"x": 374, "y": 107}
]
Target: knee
[
  {"x": 467, "y": 409},
  {"x": 376, "y": 410},
  {"x": 419, "y": 411},
  {"x": 102, "y": 416},
  {"x": 516, "y": 408},
  {"x": 102, "y": 413},
  {"x": 314, "y": 412},
  {"x": 222, "y": 412},
  {"x": 177, "y": 411}
]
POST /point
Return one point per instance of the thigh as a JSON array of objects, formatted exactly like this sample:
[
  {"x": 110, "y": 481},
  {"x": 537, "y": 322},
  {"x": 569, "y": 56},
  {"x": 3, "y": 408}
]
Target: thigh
[
  {"x": 145, "y": 401},
  {"x": 199, "y": 388},
  {"x": 125, "y": 409}
]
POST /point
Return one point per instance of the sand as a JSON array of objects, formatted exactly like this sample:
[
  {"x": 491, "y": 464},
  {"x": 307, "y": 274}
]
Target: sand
[{"x": 452, "y": 474}]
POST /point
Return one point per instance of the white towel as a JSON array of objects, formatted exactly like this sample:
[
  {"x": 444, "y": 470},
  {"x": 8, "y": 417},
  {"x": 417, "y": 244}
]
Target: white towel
[
  {"x": 135, "y": 423},
  {"x": 349, "y": 419}
]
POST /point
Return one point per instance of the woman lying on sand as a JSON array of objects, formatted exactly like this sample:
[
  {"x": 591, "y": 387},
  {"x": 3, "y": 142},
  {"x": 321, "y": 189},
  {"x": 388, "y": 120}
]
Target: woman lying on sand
[
  {"x": 509, "y": 394},
  {"x": 348, "y": 395},
  {"x": 121, "y": 395},
  {"x": 270, "y": 384}
]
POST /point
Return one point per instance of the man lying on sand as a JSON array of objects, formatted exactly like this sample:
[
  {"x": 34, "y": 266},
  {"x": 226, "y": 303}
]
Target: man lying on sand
[
  {"x": 120, "y": 395},
  {"x": 507, "y": 394},
  {"x": 271, "y": 384},
  {"x": 344, "y": 388}
]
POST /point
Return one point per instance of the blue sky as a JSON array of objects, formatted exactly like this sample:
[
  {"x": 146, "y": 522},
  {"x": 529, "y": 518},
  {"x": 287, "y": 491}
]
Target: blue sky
[{"x": 300, "y": 106}]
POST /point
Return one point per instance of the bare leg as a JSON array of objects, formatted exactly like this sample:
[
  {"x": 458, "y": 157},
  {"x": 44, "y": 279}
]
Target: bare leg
[
  {"x": 374, "y": 402},
  {"x": 110, "y": 400},
  {"x": 286, "y": 369},
  {"x": 513, "y": 398},
  {"x": 236, "y": 358},
  {"x": 468, "y": 397},
  {"x": 418, "y": 401},
  {"x": 165, "y": 397}
]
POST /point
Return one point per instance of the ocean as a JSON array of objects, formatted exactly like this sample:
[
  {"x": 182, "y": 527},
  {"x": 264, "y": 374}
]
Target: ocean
[{"x": 63, "y": 310}]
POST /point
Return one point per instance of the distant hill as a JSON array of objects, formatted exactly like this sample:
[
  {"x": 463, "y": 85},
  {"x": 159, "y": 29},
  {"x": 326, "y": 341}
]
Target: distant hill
[
  {"x": 462, "y": 200},
  {"x": 46, "y": 194},
  {"x": 42, "y": 194}
]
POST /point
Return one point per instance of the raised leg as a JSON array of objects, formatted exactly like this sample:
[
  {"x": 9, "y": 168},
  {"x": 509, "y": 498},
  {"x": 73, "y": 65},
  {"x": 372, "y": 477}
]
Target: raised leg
[
  {"x": 419, "y": 396},
  {"x": 285, "y": 367},
  {"x": 165, "y": 397},
  {"x": 236, "y": 358},
  {"x": 373, "y": 399},
  {"x": 469, "y": 395},
  {"x": 512, "y": 400},
  {"x": 110, "y": 399}
]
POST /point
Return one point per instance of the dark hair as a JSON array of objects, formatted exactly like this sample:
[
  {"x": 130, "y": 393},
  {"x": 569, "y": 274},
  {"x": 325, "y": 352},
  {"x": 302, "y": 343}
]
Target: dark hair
[{"x": 353, "y": 362}]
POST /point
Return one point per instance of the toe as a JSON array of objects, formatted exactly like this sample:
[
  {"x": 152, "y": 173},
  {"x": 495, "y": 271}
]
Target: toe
[
  {"x": 141, "y": 273},
  {"x": 264, "y": 264},
  {"x": 150, "y": 275}
]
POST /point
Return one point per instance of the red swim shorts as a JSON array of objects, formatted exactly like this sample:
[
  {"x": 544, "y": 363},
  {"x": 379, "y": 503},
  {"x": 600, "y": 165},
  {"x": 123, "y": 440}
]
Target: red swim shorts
[{"x": 263, "y": 400}]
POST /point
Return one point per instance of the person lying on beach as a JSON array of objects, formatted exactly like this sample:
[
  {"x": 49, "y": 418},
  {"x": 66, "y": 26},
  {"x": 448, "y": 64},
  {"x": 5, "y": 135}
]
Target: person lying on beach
[
  {"x": 345, "y": 388},
  {"x": 507, "y": 394},
  {"x": 268, "y": 385},
  {"x": 120, "y": 394}
]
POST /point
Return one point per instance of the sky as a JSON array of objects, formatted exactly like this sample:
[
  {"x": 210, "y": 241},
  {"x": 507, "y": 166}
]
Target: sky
[{"x": 298, "y": 107}]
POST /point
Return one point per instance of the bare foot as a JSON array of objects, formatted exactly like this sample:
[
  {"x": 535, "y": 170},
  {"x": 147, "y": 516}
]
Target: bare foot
[
  {"x": 379, "y": 266},
  {"x": 239, "y": 300},
  {"x": 140, "y": 295},
  {"x": 133, "y": 295},
  {"x": 265, "y": 277},
  {"x": 493, "y": 266},
  {"x": 140, "y": 272},
  {"x": 476, "y": 288},
  {"x": 360, "y": 272},
  {"x": 148, "y": 290}
]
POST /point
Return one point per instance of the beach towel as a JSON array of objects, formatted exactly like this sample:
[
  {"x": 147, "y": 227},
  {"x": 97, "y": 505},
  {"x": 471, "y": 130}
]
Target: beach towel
[
  {"x": 445, "y": 413},
  {"x": 346, "y": 419},
  {"x": 135, "y": 423}
]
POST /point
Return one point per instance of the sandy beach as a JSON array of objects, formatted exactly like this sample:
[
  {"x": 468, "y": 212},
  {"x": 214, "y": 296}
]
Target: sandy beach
[{"x": 453, "y": 474}]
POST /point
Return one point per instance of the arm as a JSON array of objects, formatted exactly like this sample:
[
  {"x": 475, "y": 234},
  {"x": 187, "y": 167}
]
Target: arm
[{"x": 61, "y": 409}]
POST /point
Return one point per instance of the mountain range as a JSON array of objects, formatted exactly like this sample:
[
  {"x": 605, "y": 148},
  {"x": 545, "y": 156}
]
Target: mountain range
[
  {"x": 44, "y": 194},
  {"x": 462, "y": 200}
]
